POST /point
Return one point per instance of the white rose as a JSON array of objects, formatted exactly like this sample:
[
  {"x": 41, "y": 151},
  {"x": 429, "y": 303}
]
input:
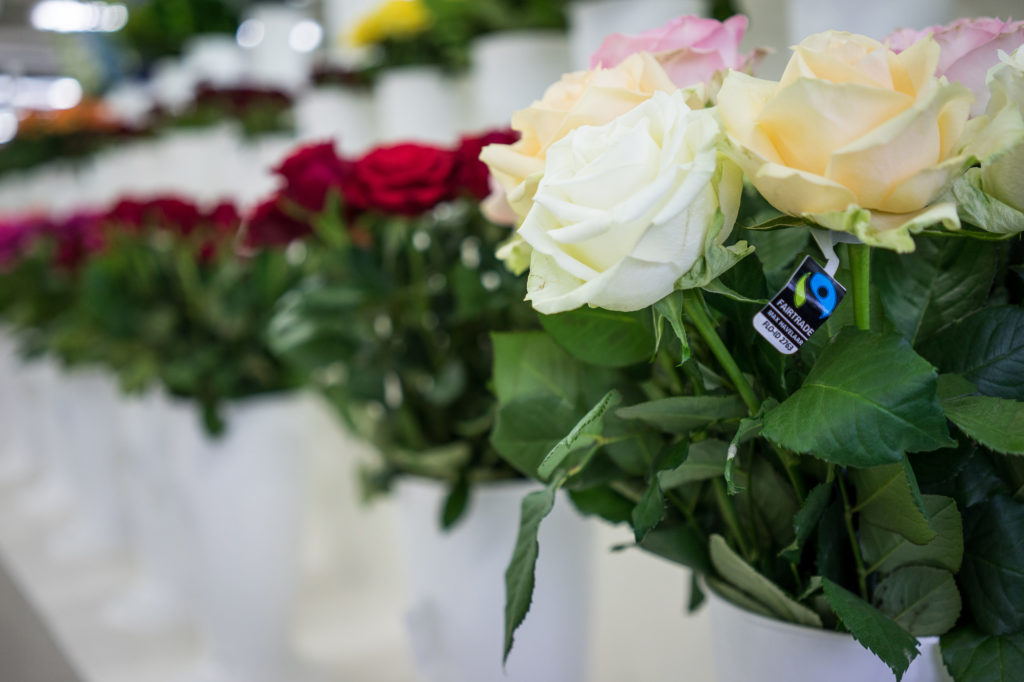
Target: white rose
[
  {"x": 628, "y": 211},
  {"x": 1004, "y": 177}
]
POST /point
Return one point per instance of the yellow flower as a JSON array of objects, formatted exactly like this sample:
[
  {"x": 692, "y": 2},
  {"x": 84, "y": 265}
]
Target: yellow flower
[
  {"x": 854, "y": 137},
  {"x": 395, "y": 19}
]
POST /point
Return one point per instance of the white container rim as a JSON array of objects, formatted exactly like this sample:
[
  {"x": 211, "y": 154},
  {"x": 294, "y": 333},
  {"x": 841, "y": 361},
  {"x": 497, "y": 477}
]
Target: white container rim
[{"x": 794, "y": 629}]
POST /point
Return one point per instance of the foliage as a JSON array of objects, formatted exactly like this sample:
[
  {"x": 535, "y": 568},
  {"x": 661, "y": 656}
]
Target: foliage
[{"x": 870, "y": 482}]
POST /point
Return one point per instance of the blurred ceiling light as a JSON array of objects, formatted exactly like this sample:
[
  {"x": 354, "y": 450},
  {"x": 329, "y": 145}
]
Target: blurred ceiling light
[
  {"x": 64, "y": 93},
  {"x": 72, "y": 16},
  {"x": 305, "y": 36},
  {"x": 8, "y": 125},
  {"x": 250, "y": 33}
]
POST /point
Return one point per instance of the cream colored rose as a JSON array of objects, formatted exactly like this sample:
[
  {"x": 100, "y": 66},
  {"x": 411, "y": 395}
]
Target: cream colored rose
[
  {"x": 853, "y": 137},
  {"x": 629, "y": 211},
  {"x": 581, "y": 98}
]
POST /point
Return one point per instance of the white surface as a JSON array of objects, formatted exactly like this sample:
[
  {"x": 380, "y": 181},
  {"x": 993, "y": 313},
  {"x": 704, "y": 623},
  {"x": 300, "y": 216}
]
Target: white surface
[
  {"x": 752, "y": 647},
  {"x": 512, "y": 69},
  {"x": 418, "y": 103},
  {"x": 338, "y": 113}
]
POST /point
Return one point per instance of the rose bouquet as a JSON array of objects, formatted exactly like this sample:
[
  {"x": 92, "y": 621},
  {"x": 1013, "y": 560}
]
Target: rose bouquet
[
  {"x": 845, "y": 462},
  {"x": 393, "y": 322}
]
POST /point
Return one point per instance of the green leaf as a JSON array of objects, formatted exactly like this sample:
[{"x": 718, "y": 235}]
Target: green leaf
[
  {"x": 887, "y": 551},
  {"x": 954, "y": 386},
  {"x": 681, "y": 544},
  {"x": 583, "y": 433},
  {"x": 895, "y": 646},
  {"x": 992, "y": 576},
  {"x": 776, "y": 504},
  {"x": 741, "y": 575},
  {"x": 940, "y": 282},
  {"x": 671, "y": 308},
  {"x": 455, "y": 504},
  {"x": 888, "y": 497},
  {"x": 605, "y": 338},
  {"x": 986, "y": 348},
  {"x": 519, "y": 576},
  {"x": 805, "y": 521},
  {"x": 996, "y": 423},
  {"x": 526, "y": 430},
  {"x": 922, "y": 600},
  {"x": 682, "y": 414},
  {"x": 973, "y": 656},
  {"x": 859, "y": 413},
  {"x": 718, "y": 287},
  {"x": 738, "y": 597},
  {"x": 705, "y": 460},
  {"x": 777, "y": 250},
  {"x": 531, "y": 363},
  {"x": 649, "y": 511},
  {"x": 780, "y": 222},
  {"x": 604, "y": 502}
]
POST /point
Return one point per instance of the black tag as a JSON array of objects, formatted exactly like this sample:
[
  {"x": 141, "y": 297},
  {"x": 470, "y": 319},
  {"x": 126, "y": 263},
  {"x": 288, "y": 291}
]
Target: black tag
[{"x": 803, "y": 305}]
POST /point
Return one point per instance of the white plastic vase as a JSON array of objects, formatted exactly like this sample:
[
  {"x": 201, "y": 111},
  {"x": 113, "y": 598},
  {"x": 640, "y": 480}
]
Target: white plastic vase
[
  {"x": 16, "y": 461},
  {"x": 418, "y": 103},
  {"x": 273, "y": 60},
  {"x": 215, "y": 59},
  {"x": 246, "y": 497},
  {"x": 156, "y": 599},
  {"x": 511, "y": 70},
  {"x": 50, "y": 493},
  {"x": 874, "y": 18},
  {"x": 457, "y": 587},
  {"x": 590, "y": 22},
  {"x": 87, "y": 416},
  {"x": 338, "y": 113},
  {"x": 749, "y": 647}
]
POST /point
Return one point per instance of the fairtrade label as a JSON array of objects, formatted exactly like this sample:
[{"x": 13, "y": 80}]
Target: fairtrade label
[{"x": 802, "y": 306}]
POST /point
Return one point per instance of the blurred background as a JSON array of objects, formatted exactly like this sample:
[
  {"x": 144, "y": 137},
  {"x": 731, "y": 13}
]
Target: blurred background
[{"x": 203, "y": 98}]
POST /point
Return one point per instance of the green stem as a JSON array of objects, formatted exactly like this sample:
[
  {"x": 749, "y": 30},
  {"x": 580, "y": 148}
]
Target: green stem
[
  {"x": 862, "y": 582},
  {"x": 786, "y": 458},
  {"x": 732, "y": 520},
  {"x": 860, "y": 262},
  {"x": 693, "y": 304},
  {"x": 688, "y": 513}
]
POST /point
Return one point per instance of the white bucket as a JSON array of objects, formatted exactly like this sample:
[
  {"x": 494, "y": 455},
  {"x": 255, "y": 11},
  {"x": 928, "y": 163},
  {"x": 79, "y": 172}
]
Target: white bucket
[
  {"x": 749, "y": 647},
  {"x": 457, "y": 587}
]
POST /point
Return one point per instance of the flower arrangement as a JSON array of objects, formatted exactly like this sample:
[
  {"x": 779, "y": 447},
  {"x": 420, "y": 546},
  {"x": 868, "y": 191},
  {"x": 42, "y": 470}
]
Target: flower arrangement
[
  {"x": 155, "y": 291},
  {"x": 393, "y": 322},
  {"x": 870, "y": 482}
]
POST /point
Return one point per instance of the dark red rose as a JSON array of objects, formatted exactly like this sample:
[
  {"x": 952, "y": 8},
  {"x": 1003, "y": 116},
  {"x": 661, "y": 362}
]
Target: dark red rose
[
  {"x": 77, "y": 237},
  {"x": 224, "y": 218},
  {"x": 269, "y": 225},
  {"x": 471, "y": 174},
  {"x": 310, "y": 173},
  {"x": 173, "y": 214},
  {"x": 407, "y": 179},
  {"x": 127, "y": 213}
]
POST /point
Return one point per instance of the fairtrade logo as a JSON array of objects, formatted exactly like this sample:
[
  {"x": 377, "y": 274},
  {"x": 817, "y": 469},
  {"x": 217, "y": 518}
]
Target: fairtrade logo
[{"x": 821, "y": 289}]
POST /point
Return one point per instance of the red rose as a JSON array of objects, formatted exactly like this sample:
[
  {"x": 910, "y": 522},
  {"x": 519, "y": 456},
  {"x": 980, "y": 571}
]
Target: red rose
[
  {"x": 224, "y": 218},
  {"x": 77, "y": 237},
  {"x": 310, "y": 173},
  {"x": 471, "y": 174},
  {"x": 407, "y": 179},
  {"x": 173, "y": 214},
  {"x": 268, "y": 225},
  {"x": 127, "y": 213}
]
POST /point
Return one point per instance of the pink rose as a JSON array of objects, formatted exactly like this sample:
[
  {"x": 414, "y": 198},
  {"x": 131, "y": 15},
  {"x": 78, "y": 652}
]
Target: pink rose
[
  {"x": 691, "y": 49},
  {"x": 970, "y": 47}
]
